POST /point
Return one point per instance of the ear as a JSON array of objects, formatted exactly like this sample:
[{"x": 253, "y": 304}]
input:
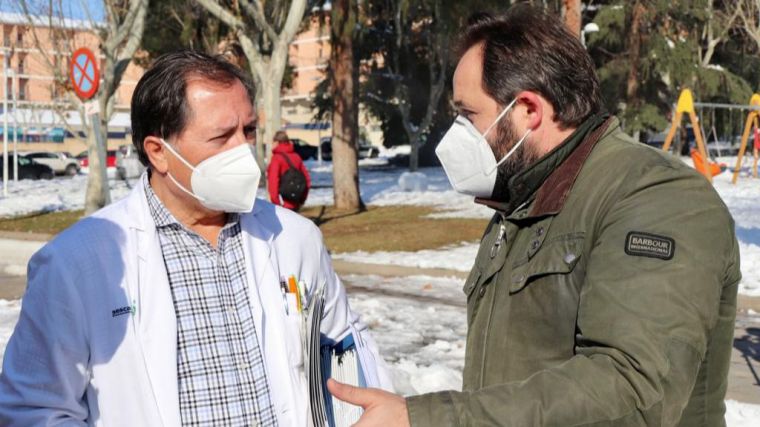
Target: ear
[
  {"x": 530, "y": 109},
  {"x": 156, "y": 153}
]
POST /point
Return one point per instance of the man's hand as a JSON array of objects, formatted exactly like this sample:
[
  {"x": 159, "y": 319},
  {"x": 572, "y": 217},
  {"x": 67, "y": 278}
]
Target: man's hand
[{"x": 381, "y": 408}]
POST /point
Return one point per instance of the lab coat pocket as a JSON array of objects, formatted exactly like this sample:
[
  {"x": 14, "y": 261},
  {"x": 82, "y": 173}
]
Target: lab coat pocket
[{"x": 294, "y": 338}]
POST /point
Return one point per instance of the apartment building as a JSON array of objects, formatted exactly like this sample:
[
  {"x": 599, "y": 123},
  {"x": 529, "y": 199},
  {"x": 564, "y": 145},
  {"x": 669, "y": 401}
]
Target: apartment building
[{"x": 36, "y": 52}]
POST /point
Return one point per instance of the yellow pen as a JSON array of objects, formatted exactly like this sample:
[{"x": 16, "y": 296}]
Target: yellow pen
[{"x": 294, "y": 290}]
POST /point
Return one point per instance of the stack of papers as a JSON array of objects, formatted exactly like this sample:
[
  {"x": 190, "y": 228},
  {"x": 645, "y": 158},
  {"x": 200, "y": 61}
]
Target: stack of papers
[{"x": 329, "y": 359}]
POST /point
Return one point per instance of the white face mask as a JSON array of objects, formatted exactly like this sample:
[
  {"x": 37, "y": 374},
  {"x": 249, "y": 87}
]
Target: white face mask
[
  {"x": 225, "y": 182},
  {"x": 468, "y": 160}
]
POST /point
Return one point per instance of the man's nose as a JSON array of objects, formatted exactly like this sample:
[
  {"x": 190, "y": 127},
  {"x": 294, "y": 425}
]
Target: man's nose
[{"x": 240, "y": 139}]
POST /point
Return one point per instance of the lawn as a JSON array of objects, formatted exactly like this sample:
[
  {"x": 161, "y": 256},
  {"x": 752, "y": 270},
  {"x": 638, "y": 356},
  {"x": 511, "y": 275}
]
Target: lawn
[{"x": 379, "y": 228}]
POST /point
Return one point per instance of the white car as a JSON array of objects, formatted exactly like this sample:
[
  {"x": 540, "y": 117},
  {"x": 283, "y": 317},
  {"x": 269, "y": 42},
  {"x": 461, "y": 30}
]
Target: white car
[
  {"x": 127, "y": 163},
  {"x": 59, "y": 162}
]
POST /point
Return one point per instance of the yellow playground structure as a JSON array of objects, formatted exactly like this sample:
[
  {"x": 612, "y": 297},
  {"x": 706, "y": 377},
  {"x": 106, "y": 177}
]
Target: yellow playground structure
[{"x": 700, "y": 155}]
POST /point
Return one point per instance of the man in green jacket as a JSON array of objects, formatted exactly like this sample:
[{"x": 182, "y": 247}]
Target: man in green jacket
[{"x": 604, "y": 291}]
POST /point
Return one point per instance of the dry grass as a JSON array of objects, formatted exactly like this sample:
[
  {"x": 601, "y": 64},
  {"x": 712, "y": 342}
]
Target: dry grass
[
  {"x": 42, "y": 223},
  {"x": 391, "y": 228},
  {"x": 382, "y": 228}
]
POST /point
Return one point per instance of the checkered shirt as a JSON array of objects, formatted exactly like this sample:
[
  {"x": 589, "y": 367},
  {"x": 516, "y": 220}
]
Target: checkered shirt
[{"x": 220, "y": 368}]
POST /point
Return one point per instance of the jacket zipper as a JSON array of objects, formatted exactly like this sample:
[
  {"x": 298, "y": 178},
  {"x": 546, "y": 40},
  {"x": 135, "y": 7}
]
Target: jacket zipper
[
  {"x": 494, "y": 250},
  {"x": 502, "y": 232}
]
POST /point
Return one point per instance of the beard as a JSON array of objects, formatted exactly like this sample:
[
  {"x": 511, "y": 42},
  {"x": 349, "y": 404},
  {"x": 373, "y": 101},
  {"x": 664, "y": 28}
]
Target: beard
[{"x": 521, "y": 159}]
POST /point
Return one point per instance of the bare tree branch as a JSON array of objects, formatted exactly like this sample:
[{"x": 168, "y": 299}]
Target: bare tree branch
[{"x": 257, "y": 13}]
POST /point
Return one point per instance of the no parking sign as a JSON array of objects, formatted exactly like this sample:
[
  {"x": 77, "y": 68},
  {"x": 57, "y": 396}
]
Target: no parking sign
[{"x": 84, "y": 74}]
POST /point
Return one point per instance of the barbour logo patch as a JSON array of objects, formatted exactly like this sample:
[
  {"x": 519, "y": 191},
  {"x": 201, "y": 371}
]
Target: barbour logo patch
[{"x": 649, "y": 245}]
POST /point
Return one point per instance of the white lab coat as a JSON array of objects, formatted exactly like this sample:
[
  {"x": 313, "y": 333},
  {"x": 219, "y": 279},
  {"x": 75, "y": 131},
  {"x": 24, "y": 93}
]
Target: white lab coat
[{"x": 74, "y": 360}]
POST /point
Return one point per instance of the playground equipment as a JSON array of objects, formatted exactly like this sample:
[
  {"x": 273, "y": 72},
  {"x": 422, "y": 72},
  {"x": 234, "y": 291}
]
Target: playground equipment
[
  {"x": 752, "y": 121},
  {"x": 702, "y": 160},
  {"x": 756, "y": 150},
  {"x": 686, "y": 105},
  {"x": 711, "y": 167}
]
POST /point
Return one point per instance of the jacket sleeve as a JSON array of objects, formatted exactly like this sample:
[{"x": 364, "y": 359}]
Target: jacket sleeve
[
  {"x": 643, "y": 323},
  {"x": 273, "y": 180},
  {"x": 339, "y": 320},
  {"x": 45, "y": 369}
]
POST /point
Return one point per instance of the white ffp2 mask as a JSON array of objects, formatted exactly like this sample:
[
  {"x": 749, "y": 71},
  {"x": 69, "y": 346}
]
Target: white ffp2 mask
[
  {"x": 467, "y": 158},
  {"x": 225, "y": 182}
]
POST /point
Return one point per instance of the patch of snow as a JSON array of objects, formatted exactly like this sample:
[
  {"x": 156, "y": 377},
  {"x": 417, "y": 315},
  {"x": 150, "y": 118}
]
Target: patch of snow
[
  {"x": 9, "y": 311},
  {"x": 14, "y": 269},
  {"x": 458, "y": 257},
  {"x": 60, "y": 194},
  {"x": 413, "y": 181},
  {"x": 739, "y": 414}
]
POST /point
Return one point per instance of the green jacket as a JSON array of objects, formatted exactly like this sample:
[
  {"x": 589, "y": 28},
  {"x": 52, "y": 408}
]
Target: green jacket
[{"x": 607, "y": 298}]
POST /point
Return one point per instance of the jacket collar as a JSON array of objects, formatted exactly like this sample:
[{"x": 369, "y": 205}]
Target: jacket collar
[
  {"x": 550, "y": 179},
  {"x": 282, "y": 148}
]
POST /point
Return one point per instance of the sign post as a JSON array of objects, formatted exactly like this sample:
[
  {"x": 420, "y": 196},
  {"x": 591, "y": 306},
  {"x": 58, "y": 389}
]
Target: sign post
[
  {"x": 85, "y": 78},
  {"x": 5, "y": 123},
  {"x": 14, "y": 77}
]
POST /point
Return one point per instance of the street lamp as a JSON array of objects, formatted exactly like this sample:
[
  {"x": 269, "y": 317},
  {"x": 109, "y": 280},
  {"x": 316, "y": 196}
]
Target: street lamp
[{"x": 591, "y": 27}]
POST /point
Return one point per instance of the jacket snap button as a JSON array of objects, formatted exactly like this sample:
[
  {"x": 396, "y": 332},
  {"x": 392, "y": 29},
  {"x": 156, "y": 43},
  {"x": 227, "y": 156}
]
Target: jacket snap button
[
  {"x": 540, "y": 231},
  {"x": 519, "y": 278},
  {"x": 569, "y": 258},
  {"x": 482, "y": 291},
  {"x": 534, "y": 245}
]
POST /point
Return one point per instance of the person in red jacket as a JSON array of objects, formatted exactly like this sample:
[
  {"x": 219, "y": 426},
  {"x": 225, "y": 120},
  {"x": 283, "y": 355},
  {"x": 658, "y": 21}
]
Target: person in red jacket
[{"x": 284, "y": 158}]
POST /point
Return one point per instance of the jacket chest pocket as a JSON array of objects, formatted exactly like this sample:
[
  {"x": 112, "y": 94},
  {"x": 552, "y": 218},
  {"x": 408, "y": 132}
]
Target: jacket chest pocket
[
  {"x": 556, "y": 256},
  {"x": 294, "y": 339}
]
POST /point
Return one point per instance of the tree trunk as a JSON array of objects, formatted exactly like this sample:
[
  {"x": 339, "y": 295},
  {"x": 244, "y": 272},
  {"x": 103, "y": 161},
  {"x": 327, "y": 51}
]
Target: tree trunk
[
  {"x": 572, "y": 12},
  {"x": 272, "y": 116},
  {"x": 344, "y": 83},
  {"x": 634, "y": 53},
  {"x": 98, "y": 193},
  {"x": 414, "y": 157}
]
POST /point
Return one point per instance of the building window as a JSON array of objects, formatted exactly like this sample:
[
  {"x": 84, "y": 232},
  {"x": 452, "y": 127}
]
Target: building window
[
  {"x": 7, "y": 30},
  {"x": 22, "y": 89}
]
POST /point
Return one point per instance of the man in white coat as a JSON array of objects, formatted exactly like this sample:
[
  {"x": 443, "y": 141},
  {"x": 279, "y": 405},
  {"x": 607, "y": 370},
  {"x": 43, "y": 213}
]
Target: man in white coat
[{"x": 169, "y": 307}]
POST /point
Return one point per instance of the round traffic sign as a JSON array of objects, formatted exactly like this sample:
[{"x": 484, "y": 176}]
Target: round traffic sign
[{"x": 84, "y": 74}]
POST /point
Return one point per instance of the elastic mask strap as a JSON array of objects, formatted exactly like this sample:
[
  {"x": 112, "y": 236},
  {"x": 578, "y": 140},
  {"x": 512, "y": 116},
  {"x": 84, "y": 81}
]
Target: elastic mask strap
[
  {"x": 182, "y": 187},
  {"x": 500, "y": 116},
  {"x": 177, "y": 155},
  {"x": 511, "y": 152},
  {"x": 171, "y": 177}
]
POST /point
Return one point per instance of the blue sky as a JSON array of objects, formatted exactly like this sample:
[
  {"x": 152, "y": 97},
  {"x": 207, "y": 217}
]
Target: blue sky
[{"x": 75, "y": 9}]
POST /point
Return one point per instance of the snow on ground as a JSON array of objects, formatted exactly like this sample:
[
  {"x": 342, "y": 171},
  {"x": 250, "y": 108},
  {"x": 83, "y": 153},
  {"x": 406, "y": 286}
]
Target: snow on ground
[
  {"x": 457, "y": 257},
  {"x": 32, "y": 196},
  {"x": 380, "y": 186},
  {"x": 739, "y": 414},
  {"x": 9, "y": 311},
  {"x": 422, "y": 342},
  {"x": 743, "y": 200},
  {"x": 419, "y": 324}
]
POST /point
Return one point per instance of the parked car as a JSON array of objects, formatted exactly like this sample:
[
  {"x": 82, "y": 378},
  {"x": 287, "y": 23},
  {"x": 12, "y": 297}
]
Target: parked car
[
  {"x": 304, "y": 149},
  {"x": 128, "y": 164},
  {"x": 326, "y": 144},
  {"x": 365, "y": 149},
  {"x": 84, "y": 160},
  {"x": 59, "y": 162},
  {"x": 28, "y": 168}
]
